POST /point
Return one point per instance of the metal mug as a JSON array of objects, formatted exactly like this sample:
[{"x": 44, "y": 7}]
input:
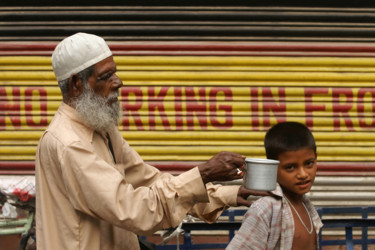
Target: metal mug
[{"x": 261, "y": 174}]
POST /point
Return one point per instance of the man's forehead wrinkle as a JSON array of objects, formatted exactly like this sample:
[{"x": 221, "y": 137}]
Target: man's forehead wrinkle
[{"x": 101, "y": 68}]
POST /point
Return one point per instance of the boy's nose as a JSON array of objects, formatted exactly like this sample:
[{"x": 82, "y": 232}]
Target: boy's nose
[{"x": 302, "y": 174}]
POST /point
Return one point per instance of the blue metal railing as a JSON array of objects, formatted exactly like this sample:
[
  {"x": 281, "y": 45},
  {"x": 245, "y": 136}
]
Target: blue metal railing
[
  {"x": 231, "y": 226},
  {"x": 348, "y": 224}
]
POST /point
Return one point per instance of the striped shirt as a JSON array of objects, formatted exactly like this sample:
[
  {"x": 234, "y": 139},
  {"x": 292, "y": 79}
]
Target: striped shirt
[{"x": 269, "y": 224}]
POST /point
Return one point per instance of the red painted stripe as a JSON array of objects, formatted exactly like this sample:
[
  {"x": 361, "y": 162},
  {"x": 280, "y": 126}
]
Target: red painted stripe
[
  {"x": 17, "y": 165},
  {"x": 7, "y": 46},
  {"x": 324, "y": 168},
  {"x": 205, "y": 53},
  {"x": 196, "y": 48},
  {"x": 244, "y": 47}
]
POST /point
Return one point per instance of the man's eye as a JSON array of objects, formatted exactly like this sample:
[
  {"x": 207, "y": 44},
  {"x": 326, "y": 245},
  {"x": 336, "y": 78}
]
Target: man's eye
[{"x": 105, "y": 77}]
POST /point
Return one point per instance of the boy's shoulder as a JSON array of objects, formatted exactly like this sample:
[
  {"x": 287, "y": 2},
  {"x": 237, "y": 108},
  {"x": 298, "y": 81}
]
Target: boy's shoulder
[
  {"x": 269, "y": 203},
  {"x": 266, "y": 202},
  {"x": 264, "y": 210},
  {"x": 266, "y": 205}
]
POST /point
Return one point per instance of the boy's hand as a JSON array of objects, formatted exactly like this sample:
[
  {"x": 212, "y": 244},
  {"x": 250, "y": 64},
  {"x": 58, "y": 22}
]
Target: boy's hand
[{"x": 244, "y": 193}]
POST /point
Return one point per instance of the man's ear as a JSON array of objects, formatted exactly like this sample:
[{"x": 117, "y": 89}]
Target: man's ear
[{"x": 75, "y": 86}]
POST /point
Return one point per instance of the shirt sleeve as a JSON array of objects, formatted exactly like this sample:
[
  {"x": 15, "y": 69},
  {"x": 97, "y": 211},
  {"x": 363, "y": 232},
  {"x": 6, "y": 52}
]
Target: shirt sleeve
[
  {"x": 220, "y": 198},
  {"x": 209, "y": 202},
  {"x": 254, "y": 231},
  {"x": 100, "y": 190}
]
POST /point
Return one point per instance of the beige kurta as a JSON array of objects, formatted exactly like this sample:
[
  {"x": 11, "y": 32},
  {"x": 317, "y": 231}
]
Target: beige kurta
[{"x": 86, "y": 201}]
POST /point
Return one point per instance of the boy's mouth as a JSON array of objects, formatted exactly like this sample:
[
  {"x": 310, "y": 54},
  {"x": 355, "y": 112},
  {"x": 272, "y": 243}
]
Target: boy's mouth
[{"x": 303, "y": 184}]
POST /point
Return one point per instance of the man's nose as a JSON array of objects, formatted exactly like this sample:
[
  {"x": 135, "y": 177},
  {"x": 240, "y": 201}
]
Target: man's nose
[{"x": 116, "y": 82}]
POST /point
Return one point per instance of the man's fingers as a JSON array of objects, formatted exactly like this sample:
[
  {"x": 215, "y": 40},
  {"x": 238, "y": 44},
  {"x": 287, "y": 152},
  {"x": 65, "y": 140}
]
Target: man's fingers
[
  {"x": 234, "y": 158},
  {"x": 243, "y": 202},
  {"x": 239, "y": 171},
  {"x": 246, "y": 192},
  {"x": 259, "y": 193}
]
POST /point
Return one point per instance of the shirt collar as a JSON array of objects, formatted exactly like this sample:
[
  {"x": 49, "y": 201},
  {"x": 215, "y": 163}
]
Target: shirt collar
[
  {"x": 278, "y": 191},
  {"x": 81, "y": 128}
]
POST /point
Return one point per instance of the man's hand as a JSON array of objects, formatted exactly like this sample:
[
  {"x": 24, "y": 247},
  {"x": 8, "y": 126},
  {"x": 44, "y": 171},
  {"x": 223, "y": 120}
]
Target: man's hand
[
  {"x": 244, "y": 193},
  {"x": 222, "y": 167}
]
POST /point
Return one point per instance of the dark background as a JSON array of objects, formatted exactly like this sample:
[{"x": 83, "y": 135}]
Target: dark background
[{"x": 300, "y": 3}]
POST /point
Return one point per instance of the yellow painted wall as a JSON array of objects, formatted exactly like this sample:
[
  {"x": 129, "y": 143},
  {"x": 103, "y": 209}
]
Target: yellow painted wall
[{"x": 191, "y": 107}]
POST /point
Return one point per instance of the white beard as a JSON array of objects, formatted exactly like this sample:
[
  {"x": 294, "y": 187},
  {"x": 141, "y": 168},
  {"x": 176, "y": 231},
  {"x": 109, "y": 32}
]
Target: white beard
[{"x": 95, "y": 110}]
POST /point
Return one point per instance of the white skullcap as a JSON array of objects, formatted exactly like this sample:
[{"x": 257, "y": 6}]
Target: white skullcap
[{"x": 78, "y": 52}]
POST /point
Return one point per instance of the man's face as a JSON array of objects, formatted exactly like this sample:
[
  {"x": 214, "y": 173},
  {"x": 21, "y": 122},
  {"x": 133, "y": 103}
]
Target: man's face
[
  {"x": 98, "y": 103},
  {"x": 104, "y": 80},
  {"x": 296, "y": 172}
]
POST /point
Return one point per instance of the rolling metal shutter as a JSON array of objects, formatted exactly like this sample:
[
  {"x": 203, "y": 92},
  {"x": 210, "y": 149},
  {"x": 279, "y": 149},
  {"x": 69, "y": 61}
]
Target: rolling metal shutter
[
  {"x": 189, "y": 23},
  {"x": 190, "y": 92}
]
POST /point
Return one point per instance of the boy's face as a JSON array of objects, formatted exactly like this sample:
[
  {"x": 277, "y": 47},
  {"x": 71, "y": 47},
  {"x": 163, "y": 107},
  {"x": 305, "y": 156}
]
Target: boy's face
[{"x": 296, "y": 171}]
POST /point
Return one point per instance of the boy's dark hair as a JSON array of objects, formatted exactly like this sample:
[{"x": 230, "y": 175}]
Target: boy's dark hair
[{"x": 288, "y": 136}]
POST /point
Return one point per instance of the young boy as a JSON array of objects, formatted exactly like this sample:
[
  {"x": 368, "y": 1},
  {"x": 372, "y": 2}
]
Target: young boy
[{"x": 287, "y": 220}]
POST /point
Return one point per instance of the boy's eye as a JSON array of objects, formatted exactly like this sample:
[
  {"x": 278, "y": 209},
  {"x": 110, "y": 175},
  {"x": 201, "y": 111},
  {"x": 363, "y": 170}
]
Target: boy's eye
[
  {"x": 289, "y": 167},
  {"x": 310, "y": 163}
]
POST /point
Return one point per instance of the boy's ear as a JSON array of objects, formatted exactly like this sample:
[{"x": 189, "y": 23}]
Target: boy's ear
[{"x": 75, "y": 86}]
